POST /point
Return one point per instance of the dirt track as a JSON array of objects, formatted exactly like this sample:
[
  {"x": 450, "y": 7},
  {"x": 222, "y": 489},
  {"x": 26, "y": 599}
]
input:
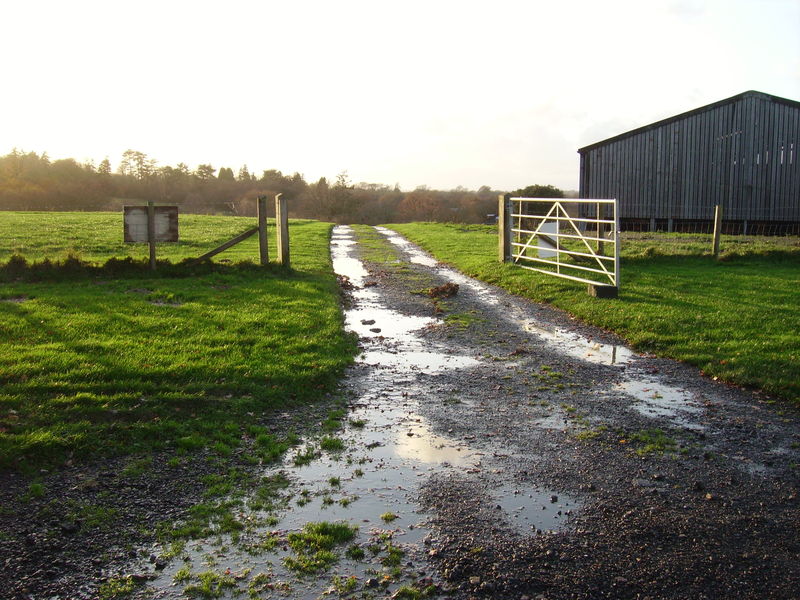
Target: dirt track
[{"x": 707, "y": 508}]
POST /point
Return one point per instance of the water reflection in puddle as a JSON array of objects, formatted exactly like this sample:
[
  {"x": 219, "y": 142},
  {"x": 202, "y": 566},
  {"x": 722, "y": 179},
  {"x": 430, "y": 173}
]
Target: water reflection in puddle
[
  {"x": 417, "y": 361},
  {"x": 580, "y": 347},
  {"x": 657, "y": 400},
  {"x": 373, "y": 321}
]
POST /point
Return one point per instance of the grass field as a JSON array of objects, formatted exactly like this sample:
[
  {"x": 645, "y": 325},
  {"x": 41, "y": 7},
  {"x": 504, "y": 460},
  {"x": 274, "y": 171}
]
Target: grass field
[
  {"x": 737, "y": 318},
  {"x": 116, "y": 361},
  {"x": 96, "y": 237}
]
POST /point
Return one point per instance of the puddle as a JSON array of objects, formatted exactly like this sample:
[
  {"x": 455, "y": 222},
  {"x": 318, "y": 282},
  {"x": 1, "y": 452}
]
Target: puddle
[
  {"x": 657, "y": 400},
  {"x": 419, "y": 443},
  {"x": 533, "y": 509},
  {"x": 373, "y": 321},
  {"x": 416, "y": 361},
  {"x": 580, "y": 347}
]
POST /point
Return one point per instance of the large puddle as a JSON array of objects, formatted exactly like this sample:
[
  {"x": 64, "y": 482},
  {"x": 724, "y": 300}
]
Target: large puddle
[{"x": 389, "y": 449}]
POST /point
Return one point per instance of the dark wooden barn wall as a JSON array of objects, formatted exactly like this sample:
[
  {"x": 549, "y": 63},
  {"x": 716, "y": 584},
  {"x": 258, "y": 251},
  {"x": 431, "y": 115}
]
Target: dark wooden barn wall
[{"x": 742, "y": 155}]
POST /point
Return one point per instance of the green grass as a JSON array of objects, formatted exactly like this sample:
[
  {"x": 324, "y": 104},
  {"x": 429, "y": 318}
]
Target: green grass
[
  {"x": 91, "y": 365},
  {"x": 209, "y": 585},
  {"x": 117, "y": 587},
  {"x": 652, "y": 441},
  {"x": 314, "y": 546},
  {"x": 331, "y": 444},
  {"x": 737, "y": 319},
  {"x": 374, "y": 247}
]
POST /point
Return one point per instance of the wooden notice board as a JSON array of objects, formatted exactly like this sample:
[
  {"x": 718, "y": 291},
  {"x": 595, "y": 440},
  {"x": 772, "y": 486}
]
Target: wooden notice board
[{"x": 166, "y": 224}]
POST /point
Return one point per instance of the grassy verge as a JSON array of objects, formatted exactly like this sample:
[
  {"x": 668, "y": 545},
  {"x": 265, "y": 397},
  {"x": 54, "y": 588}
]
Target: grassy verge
[
  {"x": 93, "y": 362},
  {"x": 737, "y": 319}
]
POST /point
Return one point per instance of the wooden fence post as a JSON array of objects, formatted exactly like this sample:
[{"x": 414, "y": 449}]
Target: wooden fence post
[
  {"x": 717, "y": 228},
  {"x": 282, "y": 236},
  {"x": 504, "y": 227},
  {"x": 151, "y": 233},
  {"x": 262, "y": 230}
]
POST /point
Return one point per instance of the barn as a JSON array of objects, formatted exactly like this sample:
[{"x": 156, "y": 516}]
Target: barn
[{"x": 739, "y": 153}]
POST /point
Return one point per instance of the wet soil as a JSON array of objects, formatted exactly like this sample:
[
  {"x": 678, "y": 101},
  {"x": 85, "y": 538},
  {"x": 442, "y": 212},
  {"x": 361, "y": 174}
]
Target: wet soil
[{"x": 520, "y": 454}]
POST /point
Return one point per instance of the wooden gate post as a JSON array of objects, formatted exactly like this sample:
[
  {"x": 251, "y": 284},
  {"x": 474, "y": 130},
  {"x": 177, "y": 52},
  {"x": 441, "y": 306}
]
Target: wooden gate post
[
  {"x": 262, "y": 230},
  {"x": 601, "y": 229},
  {"x": 504, "y": 227},
  {"x": 717, "y": 228},
  {"x": 282, "y": 236},
  {"x": 151, "y": 233}
]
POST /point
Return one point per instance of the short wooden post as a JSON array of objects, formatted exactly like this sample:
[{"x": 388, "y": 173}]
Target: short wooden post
[
  {"x": 282, "y": 234},
  {"x": 151, "y": 233},
  {"x": 504, "y": 227},
  {"x": 262, "y": 230},
  {"x": 717, "y": 228}
]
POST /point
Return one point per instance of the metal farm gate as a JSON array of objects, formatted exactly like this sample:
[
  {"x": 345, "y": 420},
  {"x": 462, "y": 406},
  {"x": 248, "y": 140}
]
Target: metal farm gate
[{"x": 555, "y": 236}]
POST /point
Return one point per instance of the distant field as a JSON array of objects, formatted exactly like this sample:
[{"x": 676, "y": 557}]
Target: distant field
[
  {"x": 737, "y": 319},
  {"x": 97, "y": 363}
]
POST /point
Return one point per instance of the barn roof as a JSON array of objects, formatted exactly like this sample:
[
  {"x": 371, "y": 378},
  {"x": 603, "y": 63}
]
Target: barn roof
[{"x": 731, "y": 100}]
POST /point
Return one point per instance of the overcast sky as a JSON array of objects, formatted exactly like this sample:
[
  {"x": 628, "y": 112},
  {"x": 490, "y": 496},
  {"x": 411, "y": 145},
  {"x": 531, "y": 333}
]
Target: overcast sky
[{"x": 432, "y": 92}]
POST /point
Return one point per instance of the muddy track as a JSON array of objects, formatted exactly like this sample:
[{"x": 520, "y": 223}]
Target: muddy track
[
  {"x": 678, "y": 487},
  {"x": 493, "y": 448}
]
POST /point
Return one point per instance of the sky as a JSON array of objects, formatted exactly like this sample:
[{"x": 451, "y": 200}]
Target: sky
[{"x": 437, "y": 92}]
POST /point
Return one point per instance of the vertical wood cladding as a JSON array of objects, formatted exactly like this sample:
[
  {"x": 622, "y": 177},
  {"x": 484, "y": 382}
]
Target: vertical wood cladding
[{"x": 740, "y": 153}]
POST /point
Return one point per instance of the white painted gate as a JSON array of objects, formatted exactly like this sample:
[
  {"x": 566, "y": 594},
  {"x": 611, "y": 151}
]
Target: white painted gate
[{"x": 549, "y": 236}]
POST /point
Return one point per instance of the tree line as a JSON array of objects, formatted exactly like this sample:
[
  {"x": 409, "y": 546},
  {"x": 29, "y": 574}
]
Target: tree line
[{"x": 31, "y": 181}]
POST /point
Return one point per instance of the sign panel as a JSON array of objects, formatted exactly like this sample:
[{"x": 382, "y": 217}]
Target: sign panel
[
  {"x": 546, "y": 240},
  {"x": 135, "y": 223}
]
